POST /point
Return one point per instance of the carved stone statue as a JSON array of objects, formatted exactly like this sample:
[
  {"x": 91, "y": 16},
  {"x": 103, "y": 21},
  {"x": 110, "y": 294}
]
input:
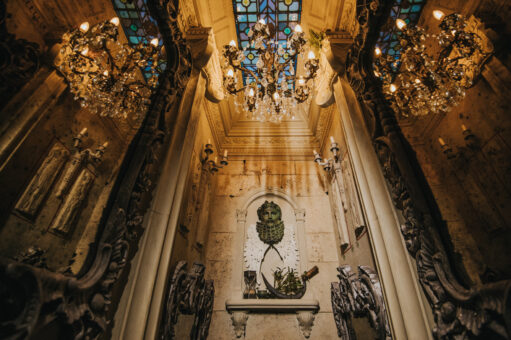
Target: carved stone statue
[
  {"x": 68, "y": 212},
  {"x": 36, "y": 191}
]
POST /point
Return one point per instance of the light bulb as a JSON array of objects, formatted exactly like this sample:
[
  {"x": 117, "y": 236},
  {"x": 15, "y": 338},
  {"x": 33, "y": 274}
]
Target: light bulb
[
  {"x": 393, "y": 88},
  {"x": 438, "y": 14},
  {"x": 311, "y": 55},
  {"x": 276, "y": 96},
  {"x": 84, "y": 27},
  {"x": 155, "y": 42},
  {"x": 232, "y": 43},
  {"x": 251, "y": 92},
  {"x": 261, "y": 21},
  {"x": 301, "y": 81},
  {"x": 115, "y": 21},
  {"x": 377, "y": 51},
  {"x": 105, "y": 73},
  {"x": 400, "y": 23},
  {"x": 230, "y": 73},
  {"x": 85, "y": 51},
  {"x": 417, "y": 81},
  {"x": 298, "y": 29}
]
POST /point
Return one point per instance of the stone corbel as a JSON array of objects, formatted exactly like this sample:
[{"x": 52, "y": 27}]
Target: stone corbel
[
  {"x": 206, "y": 58},
  {"x": 305, "y": 321},
  {"x": 239, "y": 322},
  {"x": 332, "y": 60}
]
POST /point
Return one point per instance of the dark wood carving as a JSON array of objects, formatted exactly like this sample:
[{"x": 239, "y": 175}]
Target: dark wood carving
[
  {"x": 358, "y": 296},
  {"x": 32, "y": 299},
  {"x": 190, "y": 294},
  {"x": 19, "y": 60},
  {"x": 461, "y": 310}
]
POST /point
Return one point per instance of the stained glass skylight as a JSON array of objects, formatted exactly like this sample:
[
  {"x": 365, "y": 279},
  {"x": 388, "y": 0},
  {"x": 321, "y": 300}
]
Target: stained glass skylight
[
  {"x": 283, "y": 14},
  {"x": 407, "y": 10},
  {"x": 138, "y": 26}
]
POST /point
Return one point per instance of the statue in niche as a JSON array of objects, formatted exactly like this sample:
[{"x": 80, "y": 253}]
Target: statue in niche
[
  {"x": 273, "y": 253},
  {"x": 35, "y": 193},
  {"x": 69, "y": 211}
]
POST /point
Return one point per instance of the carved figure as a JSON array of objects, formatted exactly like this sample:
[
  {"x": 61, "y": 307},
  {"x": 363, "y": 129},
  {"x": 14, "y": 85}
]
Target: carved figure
[
  {"x": 68, "y": 212},
  {"x": 270, "y": 226},
  {"x": 36, "y": 191}
]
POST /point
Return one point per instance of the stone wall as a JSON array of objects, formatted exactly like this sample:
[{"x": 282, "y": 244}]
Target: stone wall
[{"x": 472, "y": 185}]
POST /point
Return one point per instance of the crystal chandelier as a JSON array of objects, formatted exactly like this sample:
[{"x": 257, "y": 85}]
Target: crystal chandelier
[
  {"x": 268, "y": 93},
  {"x": 417, "y": 83},
  {"x": 104, "y": 74}
]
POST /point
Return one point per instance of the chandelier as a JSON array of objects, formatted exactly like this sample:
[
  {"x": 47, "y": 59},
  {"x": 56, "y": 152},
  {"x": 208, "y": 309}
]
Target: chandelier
[
  {"x": 268, "y": 93},
  {"x": 104, "y": 74},
  {"x": 418, "y": 83}
]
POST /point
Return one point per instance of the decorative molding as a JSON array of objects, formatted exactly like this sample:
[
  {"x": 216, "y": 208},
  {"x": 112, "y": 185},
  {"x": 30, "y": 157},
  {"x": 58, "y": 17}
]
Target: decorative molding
[
  {"x": 305, "y": 321},
  {"x": 189, "y": 294},
  {"x": 359, "y": 296},
  {"x": 459, "y": 312},
  {"x": 239, "y": 323},
  {"x": 79, "y": 306}
]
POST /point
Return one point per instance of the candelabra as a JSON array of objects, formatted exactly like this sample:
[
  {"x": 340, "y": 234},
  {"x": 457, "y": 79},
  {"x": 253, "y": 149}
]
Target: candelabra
[
  {"x": 418, "y": 83},
  {"x": 212, "y": 165},
  {"x": 268, "y": 93},
  {"x": 96, "y": 155},
  {"x": 327, "y": 164},
  {"x": 105, "y": 74}
]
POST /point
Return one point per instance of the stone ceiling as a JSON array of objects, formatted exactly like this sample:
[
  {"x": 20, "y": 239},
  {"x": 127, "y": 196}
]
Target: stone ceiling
[{"x": 252, "y": 139}]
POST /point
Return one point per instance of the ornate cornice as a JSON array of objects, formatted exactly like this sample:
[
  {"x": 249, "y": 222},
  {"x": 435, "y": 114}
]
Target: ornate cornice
[{"x": 459, "y": 312}]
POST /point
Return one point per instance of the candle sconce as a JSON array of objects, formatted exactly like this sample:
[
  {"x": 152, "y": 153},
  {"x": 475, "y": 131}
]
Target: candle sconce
[
  {"x": 96, "y": 155},
  {"x": 212, "y": 165},
  {"x": 327, "y": 164},
  {"x": 446, "y": 149},
  {"x": 470, "y": 139}
]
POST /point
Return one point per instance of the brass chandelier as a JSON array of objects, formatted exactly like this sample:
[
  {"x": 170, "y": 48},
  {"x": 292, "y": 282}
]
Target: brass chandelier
[
  {"x": 418, "y": 83},
  {"x": 268, "y": 93},
  {"x": 104, "y": 74}
]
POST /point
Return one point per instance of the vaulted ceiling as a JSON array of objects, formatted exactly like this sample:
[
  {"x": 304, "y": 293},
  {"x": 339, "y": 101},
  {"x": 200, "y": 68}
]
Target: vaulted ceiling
[{"x": 292, "y": 138}]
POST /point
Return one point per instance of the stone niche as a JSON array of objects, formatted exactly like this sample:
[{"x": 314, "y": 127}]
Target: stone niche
[{"x": 252, "y": 254}]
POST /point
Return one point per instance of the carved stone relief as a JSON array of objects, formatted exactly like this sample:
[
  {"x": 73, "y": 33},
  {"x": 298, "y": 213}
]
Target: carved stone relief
[
  {"x": 70, "y": 209},
  {"x": 358, "y": 296},
  {"x": 36, "y": 191},
  {"x": 189, "y": 294}
]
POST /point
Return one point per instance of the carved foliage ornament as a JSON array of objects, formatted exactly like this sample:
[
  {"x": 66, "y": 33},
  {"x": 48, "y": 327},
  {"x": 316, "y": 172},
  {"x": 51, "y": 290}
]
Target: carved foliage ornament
[
  {"x": 189, "y": 294},
  {"x": 459, "y": 312},
  {"x": 77, "y": 307},
  {"x": 358, "y": 296}
]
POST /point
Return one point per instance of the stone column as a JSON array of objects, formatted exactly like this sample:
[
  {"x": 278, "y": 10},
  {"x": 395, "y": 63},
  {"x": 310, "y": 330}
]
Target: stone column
[
  {"x": 401, "y": 288},
  {"x": 140, "y": 308}
]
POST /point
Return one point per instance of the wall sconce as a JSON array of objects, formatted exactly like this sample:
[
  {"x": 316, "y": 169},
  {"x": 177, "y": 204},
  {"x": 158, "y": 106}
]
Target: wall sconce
[
  {"x": 96, "y": 155},
  {"x": 469, "y": 137},
  {"x": 328, "y": 163},
  {"x": 446, "y": 149},
  {"x": 212, "y": 165}
]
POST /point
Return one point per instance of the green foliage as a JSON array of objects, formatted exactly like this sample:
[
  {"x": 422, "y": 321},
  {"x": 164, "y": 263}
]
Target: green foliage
[
  {"x": 287, "y": 281},
  {"x": 316, "y": 39}
]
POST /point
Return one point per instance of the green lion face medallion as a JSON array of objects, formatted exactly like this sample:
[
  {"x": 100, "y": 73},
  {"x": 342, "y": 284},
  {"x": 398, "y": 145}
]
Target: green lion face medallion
[{"x": 270, "y": 226}]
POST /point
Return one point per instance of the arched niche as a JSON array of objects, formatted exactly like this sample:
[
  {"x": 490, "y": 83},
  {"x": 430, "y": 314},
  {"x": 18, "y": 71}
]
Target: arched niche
[{"x": 246, "y": 217}]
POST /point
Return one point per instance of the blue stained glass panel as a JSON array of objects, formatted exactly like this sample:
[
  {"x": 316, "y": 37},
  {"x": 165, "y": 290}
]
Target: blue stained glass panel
[
  {"x": 276, "y": 12},
  {"x": 134, "y": 17}
]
